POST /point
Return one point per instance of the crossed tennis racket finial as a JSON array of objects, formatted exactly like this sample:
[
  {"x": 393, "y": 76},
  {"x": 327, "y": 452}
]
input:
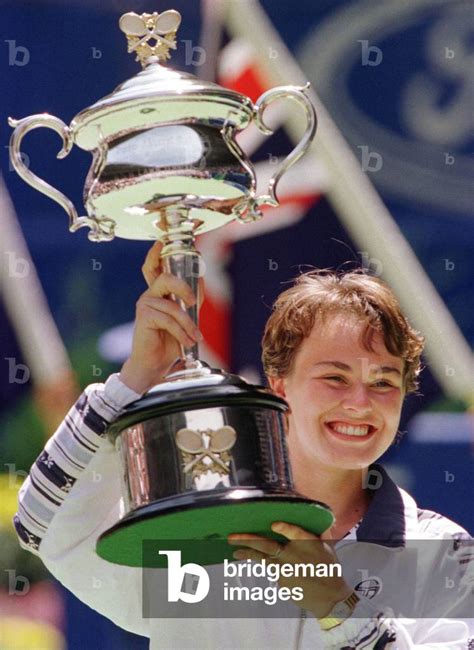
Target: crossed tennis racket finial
[
  {"x": 193, "y": 445},
  {"x": 140, "y": 29}
]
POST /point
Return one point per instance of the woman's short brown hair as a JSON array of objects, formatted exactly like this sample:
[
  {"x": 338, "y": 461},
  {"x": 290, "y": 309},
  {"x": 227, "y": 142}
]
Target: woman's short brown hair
[{"x": 317, "y": 294}]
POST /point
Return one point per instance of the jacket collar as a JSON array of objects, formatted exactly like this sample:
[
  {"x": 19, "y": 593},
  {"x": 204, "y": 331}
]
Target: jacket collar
[{"x": 385, "y": 522}]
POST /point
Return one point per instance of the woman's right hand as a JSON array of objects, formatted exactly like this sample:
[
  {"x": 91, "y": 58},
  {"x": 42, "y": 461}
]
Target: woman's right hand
[{"x": 160, "y": 326}]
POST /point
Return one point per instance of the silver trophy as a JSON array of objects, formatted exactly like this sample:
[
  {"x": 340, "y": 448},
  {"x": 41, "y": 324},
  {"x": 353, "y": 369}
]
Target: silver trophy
[{"x": 203, "y": 454}]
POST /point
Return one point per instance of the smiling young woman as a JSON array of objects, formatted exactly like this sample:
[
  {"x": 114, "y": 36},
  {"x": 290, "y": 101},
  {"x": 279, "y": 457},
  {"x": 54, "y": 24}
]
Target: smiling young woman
[
  {"x": 340, "y": 351},
  {"x": 338, "y": 348}
]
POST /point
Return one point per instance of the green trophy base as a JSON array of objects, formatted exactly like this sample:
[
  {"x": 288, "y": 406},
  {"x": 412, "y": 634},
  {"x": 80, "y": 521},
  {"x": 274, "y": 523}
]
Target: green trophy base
[{"x": 199, "y": 528}]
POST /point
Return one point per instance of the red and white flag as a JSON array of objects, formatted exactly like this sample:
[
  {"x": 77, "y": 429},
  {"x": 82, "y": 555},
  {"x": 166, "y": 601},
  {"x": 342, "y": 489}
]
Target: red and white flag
[{"x": 298, "y": 191}]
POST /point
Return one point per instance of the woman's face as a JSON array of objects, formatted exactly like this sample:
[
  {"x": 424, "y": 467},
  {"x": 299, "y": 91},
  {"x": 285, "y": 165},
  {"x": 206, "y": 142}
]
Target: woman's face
[{"x": 345, "y": 401}]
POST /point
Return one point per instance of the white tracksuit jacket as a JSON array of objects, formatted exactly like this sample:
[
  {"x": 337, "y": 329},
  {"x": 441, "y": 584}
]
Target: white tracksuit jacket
[{"x": 73, "y": 494}]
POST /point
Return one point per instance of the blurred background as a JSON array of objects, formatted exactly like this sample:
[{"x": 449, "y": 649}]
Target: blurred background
[{"x": 387, "y": 186}]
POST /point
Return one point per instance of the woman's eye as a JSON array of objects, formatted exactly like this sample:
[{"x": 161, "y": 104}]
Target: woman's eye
[
  {"x": 382, "y": 384},
  {"x": 336, "y": 378}
]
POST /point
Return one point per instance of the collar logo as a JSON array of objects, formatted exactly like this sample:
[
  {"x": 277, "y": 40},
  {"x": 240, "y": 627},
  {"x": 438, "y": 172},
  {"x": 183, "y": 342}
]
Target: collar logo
[{"x": 369, "y": 588}]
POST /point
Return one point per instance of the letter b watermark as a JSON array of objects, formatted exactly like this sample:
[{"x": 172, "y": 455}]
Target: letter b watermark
[
  {"x": 18, "y": 373},
  {"x": 14, "y": 581},
  {"x": 366, "y": 52},
  {"x": 193, "y": 54},
  {"x": 18, "y": 55},
  {"x": 371, "y": 161},
  {"x": 189, "y": 583}
]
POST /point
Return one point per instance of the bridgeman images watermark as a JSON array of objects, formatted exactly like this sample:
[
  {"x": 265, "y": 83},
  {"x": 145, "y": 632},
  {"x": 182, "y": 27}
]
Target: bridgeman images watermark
[
  {"x": 200, "y": 579},
  {"x": 191, "y": 583},
  {"x": 273, "y": 572}
]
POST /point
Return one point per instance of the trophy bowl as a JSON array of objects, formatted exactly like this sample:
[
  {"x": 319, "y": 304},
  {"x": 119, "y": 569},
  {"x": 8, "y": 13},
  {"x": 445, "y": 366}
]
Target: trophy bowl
[
  {"x": 202, "y": 454},
  {"x": 162, "y": 138}
]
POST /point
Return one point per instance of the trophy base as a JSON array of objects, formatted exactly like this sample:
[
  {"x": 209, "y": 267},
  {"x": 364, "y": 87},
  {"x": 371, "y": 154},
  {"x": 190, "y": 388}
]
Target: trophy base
[{"x": 198, "y": 526}]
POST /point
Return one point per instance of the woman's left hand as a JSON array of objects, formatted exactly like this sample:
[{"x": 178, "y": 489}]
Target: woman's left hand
[{"x": 320, "y": 594}]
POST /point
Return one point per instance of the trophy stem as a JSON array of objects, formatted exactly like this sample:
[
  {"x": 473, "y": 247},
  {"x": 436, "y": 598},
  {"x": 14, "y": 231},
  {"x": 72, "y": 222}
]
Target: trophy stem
[{"x": 181, "y": 258}]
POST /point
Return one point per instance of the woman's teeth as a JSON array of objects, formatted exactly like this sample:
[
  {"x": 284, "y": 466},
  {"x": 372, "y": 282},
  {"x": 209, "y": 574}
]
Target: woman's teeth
[{"x": 350, "y": 430}]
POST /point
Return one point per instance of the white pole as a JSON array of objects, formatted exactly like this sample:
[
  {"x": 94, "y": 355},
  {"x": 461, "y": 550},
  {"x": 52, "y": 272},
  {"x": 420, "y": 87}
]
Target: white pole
[
  {"x": 212, "y": 15},
  {"x": 25, "y": 302},
  {"x": 361, "y": 209}
]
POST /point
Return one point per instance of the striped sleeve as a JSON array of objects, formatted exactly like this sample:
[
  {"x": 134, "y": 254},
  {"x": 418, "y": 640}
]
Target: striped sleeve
[{"x": 66, "y": 455}]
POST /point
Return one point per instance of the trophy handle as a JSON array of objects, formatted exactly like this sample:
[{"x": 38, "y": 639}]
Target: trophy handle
[
  {"x": 22, "y": 127},
  {"x": 298, "y": 94}
]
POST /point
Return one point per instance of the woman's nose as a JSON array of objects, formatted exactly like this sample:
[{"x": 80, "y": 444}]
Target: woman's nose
[{"x": 357, "y": 399}]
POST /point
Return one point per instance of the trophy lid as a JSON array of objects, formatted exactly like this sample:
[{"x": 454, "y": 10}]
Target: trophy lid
[
  {"x": 157, "y": 95},
  {"x": 207, "y": 388}
]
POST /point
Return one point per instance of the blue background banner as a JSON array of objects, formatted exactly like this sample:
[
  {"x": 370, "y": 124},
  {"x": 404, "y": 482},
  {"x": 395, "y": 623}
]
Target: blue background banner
[{"x": 396, "y": 78}]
